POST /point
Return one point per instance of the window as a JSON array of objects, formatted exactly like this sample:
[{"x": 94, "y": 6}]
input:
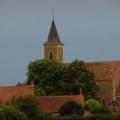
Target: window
[
  {"x": 103, "y": 102},
  {"x": 51, "y": 55}
]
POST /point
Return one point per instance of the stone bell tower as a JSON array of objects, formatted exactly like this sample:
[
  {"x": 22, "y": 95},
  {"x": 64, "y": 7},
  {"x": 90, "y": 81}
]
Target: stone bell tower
[{"x": 53, "y": 47}]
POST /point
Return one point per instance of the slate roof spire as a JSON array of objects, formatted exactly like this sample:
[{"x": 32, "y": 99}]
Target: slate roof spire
[{"x": 53, "y": 37}]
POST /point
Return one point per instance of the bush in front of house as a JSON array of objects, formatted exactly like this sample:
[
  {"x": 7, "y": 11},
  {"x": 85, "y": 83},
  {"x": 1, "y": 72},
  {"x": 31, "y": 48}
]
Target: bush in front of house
[
  {"x": 71, "y": 107},
  {"x": 96, "y": 107},
  {"x": 101, "y": 109},
  {"x": 11, "y": 113},
  {"x": 26, "y": 104},
  {"x": 29, "y": 106},
  {"x": 43, "y": 116},
  {"x": 93, "y": 104}
]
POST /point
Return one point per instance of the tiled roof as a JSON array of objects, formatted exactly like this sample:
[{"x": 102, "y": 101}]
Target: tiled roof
[
  {"x": 103, "y": 70},
  {"x": 53, "y": 37},
  {"x": 8, "y": 92},
  {"x": 53, "y": 103}
]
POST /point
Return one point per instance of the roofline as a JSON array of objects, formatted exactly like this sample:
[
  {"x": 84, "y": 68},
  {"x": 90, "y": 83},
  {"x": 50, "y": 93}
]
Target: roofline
[
  {"x": 96, "y": 61},
  {"x": 106, "y": 61},
  {"x": 15, "y": 86}
]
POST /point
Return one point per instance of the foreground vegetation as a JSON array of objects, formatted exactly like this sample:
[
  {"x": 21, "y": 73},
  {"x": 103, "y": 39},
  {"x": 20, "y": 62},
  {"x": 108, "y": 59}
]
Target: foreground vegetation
[{"x": 25, "y": 108}]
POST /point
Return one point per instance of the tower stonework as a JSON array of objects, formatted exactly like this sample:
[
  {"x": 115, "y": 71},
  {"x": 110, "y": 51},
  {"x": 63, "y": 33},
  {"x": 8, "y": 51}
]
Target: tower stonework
[{"x": 53, "y": 47}]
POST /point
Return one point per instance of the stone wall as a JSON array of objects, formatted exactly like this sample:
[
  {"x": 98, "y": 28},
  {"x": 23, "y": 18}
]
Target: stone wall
[{"x": 106, "y": 90}]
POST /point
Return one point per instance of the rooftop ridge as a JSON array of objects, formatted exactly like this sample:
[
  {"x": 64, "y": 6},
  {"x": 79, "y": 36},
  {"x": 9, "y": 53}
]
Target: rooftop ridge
[
  {"x": 110, "y": 61},
  {"x": 10, "y": 86}
]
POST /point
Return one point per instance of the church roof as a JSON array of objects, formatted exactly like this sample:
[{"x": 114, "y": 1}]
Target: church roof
[
  {"x": 103, "y": 70},
  {"x": 53, "y": 37}
]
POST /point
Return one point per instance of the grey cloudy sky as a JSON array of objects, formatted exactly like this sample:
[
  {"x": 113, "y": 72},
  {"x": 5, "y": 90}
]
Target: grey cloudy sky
[{"x": 90, "y": 30}]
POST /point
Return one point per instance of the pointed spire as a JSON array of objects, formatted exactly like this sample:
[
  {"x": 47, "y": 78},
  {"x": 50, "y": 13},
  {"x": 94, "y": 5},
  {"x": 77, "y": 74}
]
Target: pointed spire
[{"x": 53, "y": 37}]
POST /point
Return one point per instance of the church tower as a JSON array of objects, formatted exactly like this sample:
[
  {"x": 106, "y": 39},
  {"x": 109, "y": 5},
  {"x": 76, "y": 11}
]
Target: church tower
[{"x": 53, "y": 47}]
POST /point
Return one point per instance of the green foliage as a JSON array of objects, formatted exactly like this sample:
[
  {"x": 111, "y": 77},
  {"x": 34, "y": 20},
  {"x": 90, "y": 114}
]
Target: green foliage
[
  {"x": 43, "y": 116},
  {"x": 77, "y": 75},
  {"x": 26, "y": 104},
  {"x": 71, "y": 107},
  {"x": 101, "y": 109},
  {"x": 99, "y": 117},
  {"x": 47, "y": 76},
  {"x": 20, "y": 110},
  {"x": 11, "y": 113},
  {"x": 96, "y": 107},
  {"x": 93, "y": 104},
  {"x": 53, "y": 78},
  {"x": 91, "y": 117}
]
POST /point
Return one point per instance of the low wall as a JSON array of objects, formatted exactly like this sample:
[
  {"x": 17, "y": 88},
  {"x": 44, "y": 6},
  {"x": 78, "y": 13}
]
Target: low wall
[{"x": 53, "y": 103}]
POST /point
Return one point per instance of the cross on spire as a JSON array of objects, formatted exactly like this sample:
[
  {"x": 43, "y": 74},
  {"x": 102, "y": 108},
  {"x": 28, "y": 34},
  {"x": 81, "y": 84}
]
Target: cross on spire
[{"x": 52, "y": 13}]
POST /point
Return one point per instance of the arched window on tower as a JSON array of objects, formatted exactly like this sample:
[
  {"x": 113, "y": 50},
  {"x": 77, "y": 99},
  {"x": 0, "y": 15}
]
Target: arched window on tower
[{"x": 51, "y": 55}]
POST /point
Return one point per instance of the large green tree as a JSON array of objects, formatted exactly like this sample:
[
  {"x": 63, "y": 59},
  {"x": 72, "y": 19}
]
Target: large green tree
[
  {"x": 78, "y": 76},
  {"x": 47, "y": 76},
  {"x": 53, "y": 78}
]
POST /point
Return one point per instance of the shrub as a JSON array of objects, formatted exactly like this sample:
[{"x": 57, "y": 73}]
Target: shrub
[
  {"x": 71, "y": 107},
  {"x": 43, "y": 116},
  {"x": 93, "y": 104},
  {"x": 11, "y": 113},
  {"x": 26, "y": 104},
  {"x": 101, "y": 109},
  {"x": 96, "y": 107},
  {"x": 99, "y": 117}
]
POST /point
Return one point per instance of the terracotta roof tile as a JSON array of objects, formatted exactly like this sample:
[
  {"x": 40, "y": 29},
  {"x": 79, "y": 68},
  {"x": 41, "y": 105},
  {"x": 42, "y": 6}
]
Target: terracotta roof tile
[
  {"x": 103, "y": 70},
  {"x": 8, "y": 92}
]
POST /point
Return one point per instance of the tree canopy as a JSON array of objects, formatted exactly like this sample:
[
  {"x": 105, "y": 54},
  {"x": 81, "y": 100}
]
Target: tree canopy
[
  {"x": 78, "y": 76},
  {"x": 47, "y": 76},
  {"x": 53, "y": 78}
]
